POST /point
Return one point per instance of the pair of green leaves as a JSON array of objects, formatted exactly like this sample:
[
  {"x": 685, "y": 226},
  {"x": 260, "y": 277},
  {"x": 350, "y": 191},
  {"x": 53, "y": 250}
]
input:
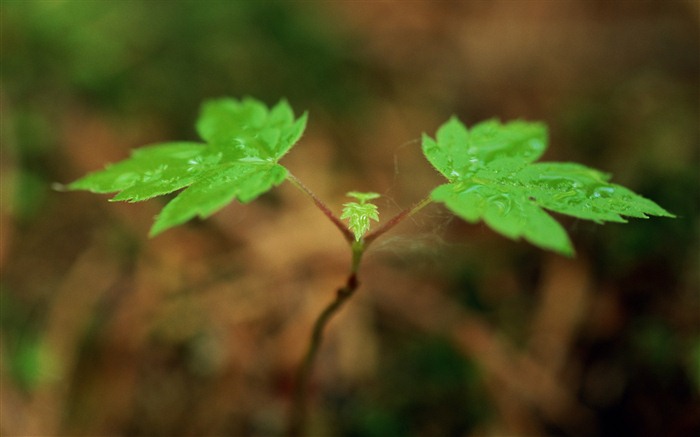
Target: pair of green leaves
[{"x": 490, "y": 168}]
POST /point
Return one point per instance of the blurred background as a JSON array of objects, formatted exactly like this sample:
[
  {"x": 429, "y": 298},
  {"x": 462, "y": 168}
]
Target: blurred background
[{"x": 455, "y": 331}]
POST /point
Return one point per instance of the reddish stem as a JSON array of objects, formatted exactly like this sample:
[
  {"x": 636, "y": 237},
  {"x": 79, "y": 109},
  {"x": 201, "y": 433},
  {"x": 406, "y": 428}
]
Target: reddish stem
[
  {"x": 395, "y": 220},
  {"x": 347, "y": 233}
]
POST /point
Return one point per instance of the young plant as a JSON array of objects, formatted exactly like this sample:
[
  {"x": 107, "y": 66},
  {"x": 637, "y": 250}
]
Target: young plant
[{"x": 490, "y": 170}]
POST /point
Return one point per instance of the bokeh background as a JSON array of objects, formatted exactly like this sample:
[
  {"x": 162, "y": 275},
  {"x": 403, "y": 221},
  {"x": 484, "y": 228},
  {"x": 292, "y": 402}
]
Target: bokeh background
[{"x": 455, "y": 331}]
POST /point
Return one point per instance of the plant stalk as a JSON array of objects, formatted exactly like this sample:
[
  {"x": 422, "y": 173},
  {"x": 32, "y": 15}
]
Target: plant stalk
[
  {"x": 396, "y": 220},
  {"x": 347, "y": 233},
  {"x": 300, "y": 400},
  {"x": 297, "y": 422}
]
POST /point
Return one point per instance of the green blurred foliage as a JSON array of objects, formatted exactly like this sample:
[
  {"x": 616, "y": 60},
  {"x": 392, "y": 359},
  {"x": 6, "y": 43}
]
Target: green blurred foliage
[
  {"x": 169, "y": 56},
  {"x": 25, "y": 356}
]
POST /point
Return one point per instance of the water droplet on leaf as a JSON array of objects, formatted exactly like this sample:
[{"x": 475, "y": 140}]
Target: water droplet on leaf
[
  {"x": 603, "y": 192},
  {"x": 502, "y": 202}
]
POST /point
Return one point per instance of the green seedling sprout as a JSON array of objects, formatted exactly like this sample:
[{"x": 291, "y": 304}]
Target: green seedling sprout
[{"x": 490, "y": 170}]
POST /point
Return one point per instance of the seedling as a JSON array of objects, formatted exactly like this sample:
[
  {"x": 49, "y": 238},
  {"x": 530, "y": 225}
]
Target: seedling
[{"x": 490, "y": 171}]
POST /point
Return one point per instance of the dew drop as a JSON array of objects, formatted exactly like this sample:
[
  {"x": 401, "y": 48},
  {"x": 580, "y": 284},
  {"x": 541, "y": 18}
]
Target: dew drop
[
  {"x": 156, "y": 173},
  {"x": 603, "y": 192},
  {"x": 251, "y": 159},
  {"x": 502, "y": 202},
  {"x": 239, "y": 143},
  {"x": 126, "y": 179}
]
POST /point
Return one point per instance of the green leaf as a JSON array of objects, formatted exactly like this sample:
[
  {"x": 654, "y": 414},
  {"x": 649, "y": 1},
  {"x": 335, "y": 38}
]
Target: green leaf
[
  {"x": 217, "y": 189},
  {"x": 244, "y": 142},
  {"x": 492, "y": 177},
  {"x": 246, "y": 127},
  {"x": 360, "y": 214},
  {"x": 363, "y": 197},
  {"x": 458, "y": 153}
]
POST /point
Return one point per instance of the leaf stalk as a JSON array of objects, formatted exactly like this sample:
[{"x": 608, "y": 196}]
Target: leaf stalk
[
  {"x": 347, "y": 233},
  {"x": 388, "y": 225}
]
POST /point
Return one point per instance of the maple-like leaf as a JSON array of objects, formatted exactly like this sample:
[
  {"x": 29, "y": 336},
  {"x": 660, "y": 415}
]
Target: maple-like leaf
[
  {"x": 244, "y": 140},
  {"x": 493, "y": 177}
]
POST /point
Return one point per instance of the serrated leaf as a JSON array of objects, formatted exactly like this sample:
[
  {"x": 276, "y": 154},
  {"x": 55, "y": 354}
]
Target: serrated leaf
[
  {"x": 504, "y": 214},
  {"x": 203, "y": 198},
  {"x": 159, "y": 169},
  {"x": 457, "y": 152},
  {"x": 244, "y": 141},
  {"x": 493, "y": 178},
  {"x": 248, "y": 128},
  {"x": 360, "y": 214}
]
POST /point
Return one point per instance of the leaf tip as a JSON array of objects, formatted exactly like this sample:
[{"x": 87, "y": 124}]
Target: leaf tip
[
  {"x": 57, "y": 186},
  {"x": 158, "y": 228},
  {"x": 663, "y": 213},
  {"x": 568, "y": 252},
  {"x": 71, "y": 186}
]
